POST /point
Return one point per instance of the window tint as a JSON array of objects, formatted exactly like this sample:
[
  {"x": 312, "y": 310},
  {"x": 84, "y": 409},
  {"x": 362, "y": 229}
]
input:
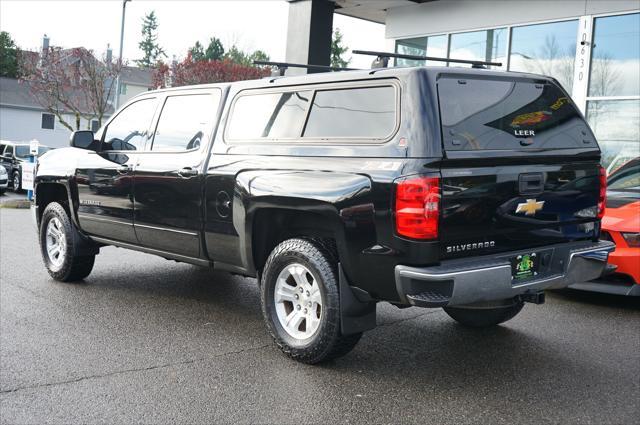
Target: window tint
[
  {"x": 270, "y": 115},
  {"x": 479, "y": 114},
  {"x": 129, "y": 128},
  {"x": 47, "y": 121},
  {"x": 185, "y": 122},
  {"x": 360, "y": 112}
]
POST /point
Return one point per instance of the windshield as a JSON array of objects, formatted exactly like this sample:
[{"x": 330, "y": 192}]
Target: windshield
[
  {"x": 508, "y": 113},
  {"x": 626, "y": 178},
  {"x": 22, "y": 151}
]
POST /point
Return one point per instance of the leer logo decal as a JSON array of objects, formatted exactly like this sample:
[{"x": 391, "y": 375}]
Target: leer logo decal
[{"x": 530, "y": 207}]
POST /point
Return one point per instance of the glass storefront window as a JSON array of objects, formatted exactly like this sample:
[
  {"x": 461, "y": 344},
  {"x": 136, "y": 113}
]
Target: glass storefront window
[
  {"x": 615, "y": 60},
  {"x": 411, "y": 46},
  {"x": 615, "y": 124},
  {"x": 424, "y": 46},
  {"x": 548, "y": 49},
  {"x": 489, "y": 45}
]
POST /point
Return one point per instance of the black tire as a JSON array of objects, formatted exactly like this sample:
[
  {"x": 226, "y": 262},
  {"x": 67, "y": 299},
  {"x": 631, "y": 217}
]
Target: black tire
[
  {"x": 72, "y": 267},
  {"x": 327, "y": 342},
  {"x": 17, "y": 186},
  {"x": 483, "y": 316}
]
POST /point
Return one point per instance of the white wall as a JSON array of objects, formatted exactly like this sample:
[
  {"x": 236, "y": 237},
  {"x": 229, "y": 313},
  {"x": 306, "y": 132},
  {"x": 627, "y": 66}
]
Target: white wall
[
  {"x": 466, "y": 15},
  {"x": 132, "y": 90},
  {"x": 20, "y": 125}
]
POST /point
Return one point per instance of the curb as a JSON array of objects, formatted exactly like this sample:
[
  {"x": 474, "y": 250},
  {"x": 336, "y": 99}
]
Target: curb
[{"x": 16, "y": 203}]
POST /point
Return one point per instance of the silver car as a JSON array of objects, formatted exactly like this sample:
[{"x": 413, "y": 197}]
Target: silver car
[{"x": 4, "y": 180}]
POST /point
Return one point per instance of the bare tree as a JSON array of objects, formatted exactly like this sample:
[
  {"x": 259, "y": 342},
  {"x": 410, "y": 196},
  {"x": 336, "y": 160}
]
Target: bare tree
[{"x": 70, "y": 82}]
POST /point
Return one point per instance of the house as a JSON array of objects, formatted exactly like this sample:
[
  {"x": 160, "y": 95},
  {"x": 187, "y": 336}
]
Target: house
[
  {"x": 134, "y": 81},
  {"x": 23, "y": 117}
]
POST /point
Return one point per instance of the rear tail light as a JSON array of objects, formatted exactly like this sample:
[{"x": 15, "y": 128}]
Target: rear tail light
[
  {"x": 632, "y": 239},
  {"x": 418, "y": 207},
  {"x": 602, "y": 198}
]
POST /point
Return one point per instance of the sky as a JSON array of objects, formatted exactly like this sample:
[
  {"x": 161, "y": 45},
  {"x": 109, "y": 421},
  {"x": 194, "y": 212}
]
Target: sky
[{"x": 252, "y": 25}]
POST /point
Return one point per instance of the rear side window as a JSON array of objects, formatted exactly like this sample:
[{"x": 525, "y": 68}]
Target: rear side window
[
  {"x": 269, "y": 115},
  {"x": 367, "y": 112},
  {"x": 185, "y": 122},
  {"x": 357, "y": 112},
  {"x": 485, "y": 114}
]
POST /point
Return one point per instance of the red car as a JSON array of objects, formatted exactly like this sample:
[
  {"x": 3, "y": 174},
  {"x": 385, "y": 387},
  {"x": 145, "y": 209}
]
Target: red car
[{"x": 621, "y": 225}]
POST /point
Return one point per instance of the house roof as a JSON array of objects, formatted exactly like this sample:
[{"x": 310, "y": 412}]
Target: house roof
[
  {"x": 15, "y": 93},
  {"x": 136, "y": 76}
]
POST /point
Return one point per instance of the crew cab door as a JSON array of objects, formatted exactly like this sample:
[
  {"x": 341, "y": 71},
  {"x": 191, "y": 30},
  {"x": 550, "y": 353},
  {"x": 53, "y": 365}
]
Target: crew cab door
[
  {"x": 168, "y": 178},
  {"x": 105, "y": 179}
]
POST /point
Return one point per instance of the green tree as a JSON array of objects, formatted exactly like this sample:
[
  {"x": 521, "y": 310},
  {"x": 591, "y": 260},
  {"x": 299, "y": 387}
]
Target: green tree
[
  {"x": 259, "y": 55},
  {"x": 149, "y": 44},
  {"x": 238, "y": 56},
  {"x": 215, "y": 50},
  {"x": 197, "y": 52},
  {"x": 8, "y": 56},
  {"x": 337, "y": 50}
]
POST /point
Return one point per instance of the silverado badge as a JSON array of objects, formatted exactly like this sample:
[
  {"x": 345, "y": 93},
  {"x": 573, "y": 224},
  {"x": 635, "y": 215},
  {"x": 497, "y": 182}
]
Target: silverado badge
[{"x": 531, "y": 207}]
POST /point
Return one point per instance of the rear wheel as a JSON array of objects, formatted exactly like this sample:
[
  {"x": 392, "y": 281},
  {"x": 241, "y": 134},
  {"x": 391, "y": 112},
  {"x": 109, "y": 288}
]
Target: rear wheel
[
  {"x": 57, "y": 245},
  {"x": 301, "y": 303},
  {"x": 482, "y": 315}
]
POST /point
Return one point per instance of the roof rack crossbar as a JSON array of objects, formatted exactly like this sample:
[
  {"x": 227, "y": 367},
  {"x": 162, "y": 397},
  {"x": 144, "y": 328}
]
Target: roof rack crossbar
[
  {"x": 424, "y": 58},
  {"x": 282, "y": 66}
]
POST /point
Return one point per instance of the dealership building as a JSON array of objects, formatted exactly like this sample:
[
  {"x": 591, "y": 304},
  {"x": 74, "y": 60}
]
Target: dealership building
[{"x": 592, "y": 47}]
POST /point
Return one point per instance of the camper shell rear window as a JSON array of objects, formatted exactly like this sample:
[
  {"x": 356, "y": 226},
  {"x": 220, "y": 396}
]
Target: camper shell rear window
[{"x": 508, "y": 114}]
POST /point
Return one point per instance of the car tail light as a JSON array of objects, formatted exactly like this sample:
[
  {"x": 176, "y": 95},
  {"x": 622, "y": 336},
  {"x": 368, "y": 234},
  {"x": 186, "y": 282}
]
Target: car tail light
[
  {"x": 418, "y": 207},
  {"x": 632, "y": 239},
  {"x": 602, "y": 199}
]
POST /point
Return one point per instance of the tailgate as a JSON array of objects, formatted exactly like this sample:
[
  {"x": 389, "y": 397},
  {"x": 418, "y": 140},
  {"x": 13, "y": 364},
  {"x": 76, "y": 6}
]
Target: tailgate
[{"x": 495, "y": 209}]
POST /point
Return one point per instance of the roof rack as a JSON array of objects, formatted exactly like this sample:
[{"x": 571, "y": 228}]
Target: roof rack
[
  {"x": 283, "y": 66},
  {"x": 383, "y": 59}
]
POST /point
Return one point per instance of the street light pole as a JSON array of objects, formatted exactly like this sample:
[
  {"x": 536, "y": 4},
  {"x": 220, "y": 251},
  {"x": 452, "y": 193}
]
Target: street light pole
[{"x": 117, "y": 99}]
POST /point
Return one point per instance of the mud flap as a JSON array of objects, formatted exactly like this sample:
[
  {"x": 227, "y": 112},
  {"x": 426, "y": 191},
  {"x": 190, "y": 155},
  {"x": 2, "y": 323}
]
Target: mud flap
[{"x": 357, "y": 313}]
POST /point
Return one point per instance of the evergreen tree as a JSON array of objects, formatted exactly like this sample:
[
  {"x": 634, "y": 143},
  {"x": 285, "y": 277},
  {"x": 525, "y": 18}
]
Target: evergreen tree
[
  {"x": 197, "y": 52},
  {"x": 238, "y": 56},
  {"x": 337, "y": 50},
  {"x": 8, "y": 56},
  {"x": 149, "y": 44},
  {"x": 215, "y": 50}
]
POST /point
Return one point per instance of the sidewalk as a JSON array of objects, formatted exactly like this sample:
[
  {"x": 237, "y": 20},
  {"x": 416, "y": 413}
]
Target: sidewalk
[{"x": 14, "y": 200}]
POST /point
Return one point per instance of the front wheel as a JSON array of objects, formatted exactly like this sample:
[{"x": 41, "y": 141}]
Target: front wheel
[
  {"x": 483, "y": 315},
  {"x": 17, "y": 187},
  {"x": 301, "y": 302},
  {"x": 57, "y": 245}
]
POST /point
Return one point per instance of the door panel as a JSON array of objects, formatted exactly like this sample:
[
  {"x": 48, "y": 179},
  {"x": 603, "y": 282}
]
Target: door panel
[
  {"x": 105, "y": 182},
  {"x": 168, "y": 179},
  {"x": 106, "y": 197}
]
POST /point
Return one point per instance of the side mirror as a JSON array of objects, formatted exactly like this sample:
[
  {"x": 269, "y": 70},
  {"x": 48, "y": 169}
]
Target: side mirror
[{"x": 82, "y": 139}]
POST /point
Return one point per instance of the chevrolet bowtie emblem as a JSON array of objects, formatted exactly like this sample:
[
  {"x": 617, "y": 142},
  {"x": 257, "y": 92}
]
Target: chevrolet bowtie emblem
[{"x": 530, "y": 207}]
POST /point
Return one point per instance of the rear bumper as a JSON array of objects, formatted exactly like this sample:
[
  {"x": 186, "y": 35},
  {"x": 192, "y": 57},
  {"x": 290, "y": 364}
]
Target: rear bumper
[{"x": 466, "y": 281}]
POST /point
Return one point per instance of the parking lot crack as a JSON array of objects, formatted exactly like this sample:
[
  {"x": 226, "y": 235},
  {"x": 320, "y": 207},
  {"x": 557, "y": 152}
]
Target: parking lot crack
[
  {"x": 142, "y": 369},
  {"x": 407, "y": 319}
]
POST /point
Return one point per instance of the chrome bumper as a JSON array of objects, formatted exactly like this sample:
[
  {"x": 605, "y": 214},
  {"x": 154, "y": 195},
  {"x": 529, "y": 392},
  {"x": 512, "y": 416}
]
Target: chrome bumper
[{"x": 466, "y": 281}]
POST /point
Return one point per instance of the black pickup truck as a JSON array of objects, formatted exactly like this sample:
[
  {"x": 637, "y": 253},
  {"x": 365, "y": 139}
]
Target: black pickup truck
[{"x": 468, "y": 189}]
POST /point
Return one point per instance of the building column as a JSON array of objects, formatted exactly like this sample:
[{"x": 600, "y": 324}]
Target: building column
[{"x": 309, "y": 33}]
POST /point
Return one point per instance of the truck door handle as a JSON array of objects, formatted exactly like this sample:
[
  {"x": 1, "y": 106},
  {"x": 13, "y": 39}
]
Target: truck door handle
[
  {"x": 123, "y": 169},
  {"x": 188, "y": 172}
]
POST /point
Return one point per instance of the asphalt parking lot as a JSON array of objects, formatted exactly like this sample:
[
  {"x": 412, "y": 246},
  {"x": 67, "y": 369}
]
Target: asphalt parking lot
[{"x": 153, "y": 341}]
